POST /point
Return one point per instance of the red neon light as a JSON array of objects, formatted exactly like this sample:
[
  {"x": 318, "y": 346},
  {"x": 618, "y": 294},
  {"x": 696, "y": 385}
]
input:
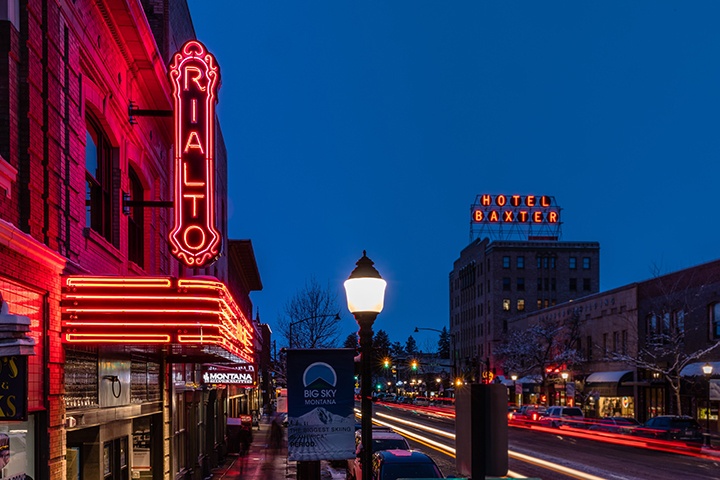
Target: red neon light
[
  {"x": 536, "y": 209},
  {"x": 122, "y": 310},
  {"x": 195, "y": 79}
]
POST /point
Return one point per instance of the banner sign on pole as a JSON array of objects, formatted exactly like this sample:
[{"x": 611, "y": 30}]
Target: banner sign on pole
[{"x": 321, "y": 420}]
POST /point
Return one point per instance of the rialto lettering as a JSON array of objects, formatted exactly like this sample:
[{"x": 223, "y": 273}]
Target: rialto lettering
[
  {"x": 529, "y": 209},
  {"x": 195, "y": 79}
]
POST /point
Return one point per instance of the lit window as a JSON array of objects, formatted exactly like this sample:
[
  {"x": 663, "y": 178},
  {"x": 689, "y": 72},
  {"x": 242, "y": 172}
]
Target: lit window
[
  {"x": 506, "y": 304},
  {"x": 586, "y": 263},
  {"x": 573, "y": 263},
  {"x": 98, "y": 180},
  {"x": 521, "y": 304}
]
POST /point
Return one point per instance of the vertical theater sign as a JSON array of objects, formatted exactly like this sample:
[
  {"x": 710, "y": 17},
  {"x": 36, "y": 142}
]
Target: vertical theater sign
[{"x": 195, "y": 79}]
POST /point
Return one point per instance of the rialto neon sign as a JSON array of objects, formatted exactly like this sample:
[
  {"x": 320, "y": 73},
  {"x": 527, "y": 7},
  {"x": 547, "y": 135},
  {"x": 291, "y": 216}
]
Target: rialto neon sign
[
  {"x": 195, "y": 79},
  {"x": 531, "y": 209}
]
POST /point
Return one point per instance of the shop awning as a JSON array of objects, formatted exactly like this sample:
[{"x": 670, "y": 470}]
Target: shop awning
[
  {"x": 536, "y": 379},
  {"x": 611, "y": 383},
  {"x": 695, "y": 369},
  {"x": 195, "y": 315}
]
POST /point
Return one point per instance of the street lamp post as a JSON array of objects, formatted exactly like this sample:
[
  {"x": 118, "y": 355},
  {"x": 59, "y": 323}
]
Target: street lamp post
[
  {"x": 365, "y": 291},
  {"x": 452, "y": 337},
  {"x": 708, "y": 370},
  {"x": 290, "y": 326},
  {"x": 564, "y": 376},
  {"x": 514, "y": 377}
]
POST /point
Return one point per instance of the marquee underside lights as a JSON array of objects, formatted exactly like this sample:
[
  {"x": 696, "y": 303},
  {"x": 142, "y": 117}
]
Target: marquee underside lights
[
  {"x": 154, "y": 310},
  {"x": 195, "y": 79},
  {"x": 537, "y": 209}
]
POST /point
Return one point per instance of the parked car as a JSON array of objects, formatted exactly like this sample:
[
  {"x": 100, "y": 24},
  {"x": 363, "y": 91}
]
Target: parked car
[
  {"x": 383, "y": 438},
  {"x": 615, "y": 425},
  {"x": 394, "y": 464},
  {"x": 671, "y": 427},
  {"x": 557, "y": 416}
]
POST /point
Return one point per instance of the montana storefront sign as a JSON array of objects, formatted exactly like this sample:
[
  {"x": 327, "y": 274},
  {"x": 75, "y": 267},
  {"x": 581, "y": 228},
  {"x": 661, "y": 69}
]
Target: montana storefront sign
[
  {"x": 239, "y": 375},
  {"x": 195, "y": 79}
]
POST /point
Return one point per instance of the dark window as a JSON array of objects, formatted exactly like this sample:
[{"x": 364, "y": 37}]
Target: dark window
[
  {"x": 586, "y": 263},
  {"x": 552, "y": 263},
  {"x": 573, "y": 284},
  {"x": 553, "y": 284},
  {"x": 98, "y": 180},
  {"x": 572, "y": 261},
  {"x": 506, "y": 262},
  {"x": 520, "y": 262},
  {"x": 136, "y": 220},
  {"x": 586, "y": 284},
  {"x": 521, "y": 284},
  {"x": 588, "y": 345},
  {"x": 545, "y": 262},
  {"x": 539, "y": 284},
  {"x": 539, "y": 262},
  {"x": 547, "y": 284},
  {"x": 506, "y": 284}
]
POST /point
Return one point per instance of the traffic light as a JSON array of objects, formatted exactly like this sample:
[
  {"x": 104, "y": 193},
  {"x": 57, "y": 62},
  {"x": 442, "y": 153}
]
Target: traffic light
[
  {"x": 414, "y": 365},
  {"x": 386, "y": 363}
]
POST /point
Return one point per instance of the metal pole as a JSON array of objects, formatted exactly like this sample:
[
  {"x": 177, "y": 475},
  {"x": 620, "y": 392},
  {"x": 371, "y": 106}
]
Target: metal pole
[
  {"x": 365, "y": 320},
  {"x": 707, "y": 412}
]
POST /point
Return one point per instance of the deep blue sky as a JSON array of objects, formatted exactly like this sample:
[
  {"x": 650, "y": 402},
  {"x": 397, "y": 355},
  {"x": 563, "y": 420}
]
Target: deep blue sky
[{"x": 373, "y": 125}]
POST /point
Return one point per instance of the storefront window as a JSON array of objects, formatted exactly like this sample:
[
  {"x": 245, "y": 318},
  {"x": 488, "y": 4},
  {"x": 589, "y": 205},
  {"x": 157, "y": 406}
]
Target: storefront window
[{"x": 17, "y": 449}]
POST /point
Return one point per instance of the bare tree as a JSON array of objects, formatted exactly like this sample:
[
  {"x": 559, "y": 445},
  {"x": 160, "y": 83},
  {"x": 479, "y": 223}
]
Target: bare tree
[
  {"x": 310, "y": 318},
  {"x": 542, "y": 346}
]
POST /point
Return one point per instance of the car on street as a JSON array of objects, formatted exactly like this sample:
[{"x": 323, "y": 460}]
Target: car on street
[
  {"x": 556, "y": 416},
  {"x": 622, "y": 425},
  {"x": 527, "y": 414},
  {"x": 394, "y": 464},
  {"x": 383, "y": 438},
  {"x": 671, "y": 427}
]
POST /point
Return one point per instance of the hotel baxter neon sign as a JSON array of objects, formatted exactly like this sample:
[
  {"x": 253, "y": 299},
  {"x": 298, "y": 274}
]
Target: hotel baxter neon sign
[
  {"x": 532, "y": 209},
  {"x": 195, "y": 79}
]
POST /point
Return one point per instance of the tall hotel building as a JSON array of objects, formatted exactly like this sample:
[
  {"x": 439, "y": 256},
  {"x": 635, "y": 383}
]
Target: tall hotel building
[{"x": 515, "y": 264}]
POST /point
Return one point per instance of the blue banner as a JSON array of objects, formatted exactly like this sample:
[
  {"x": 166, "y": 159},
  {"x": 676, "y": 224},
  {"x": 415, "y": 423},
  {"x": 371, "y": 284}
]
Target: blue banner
[{"x": 321, "y": 421}]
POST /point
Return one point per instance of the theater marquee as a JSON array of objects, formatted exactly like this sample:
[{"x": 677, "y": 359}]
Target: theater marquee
[
  {"x": 195, "y": 79},
  {"x": 241, "y": 375}
]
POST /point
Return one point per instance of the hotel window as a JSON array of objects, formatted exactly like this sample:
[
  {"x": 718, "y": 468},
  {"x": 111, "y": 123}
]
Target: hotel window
[
  {"x": 572, "y": 261},
  {"x": 539, "y": 262},
  {"x": 520, "y": 262},
  {"x": 521, "y": 305},
  {"x": 539, "y": 304},
  {"x": 552, "y": 263},
  {"x": 98, "y": 180},
  {"x": 506, "y": 262},
  {"x": 573, "y": 284},
  {"x": 506, "y": 284},
  {"x": 539, "y": 284},
  {"x": 553, "y": 285},
  {"x": 136, "y": 220},
  {"x": 586, "y": 284},
  {"x": 506, "y": 304},
  {"x": 586, "y": 263},
  {"x": 521, "y": 284},
  {"x": 545, "y": 262}
]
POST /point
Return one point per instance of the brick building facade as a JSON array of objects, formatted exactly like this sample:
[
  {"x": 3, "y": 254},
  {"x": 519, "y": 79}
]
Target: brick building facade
[
  {"x": 491, "y": 282},
  {"x": 69, "y": 156}
]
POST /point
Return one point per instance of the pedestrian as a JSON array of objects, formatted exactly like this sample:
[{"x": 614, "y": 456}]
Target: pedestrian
[{"x": 245, "y": 439}]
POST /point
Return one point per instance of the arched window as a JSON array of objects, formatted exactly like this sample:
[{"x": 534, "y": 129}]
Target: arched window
[
  {"x": 98, "y": 180},
  {"x": 136, "y": 220}
]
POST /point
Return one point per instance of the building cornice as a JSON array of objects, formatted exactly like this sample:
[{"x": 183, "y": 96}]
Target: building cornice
[{"x": 30, "y": 248}]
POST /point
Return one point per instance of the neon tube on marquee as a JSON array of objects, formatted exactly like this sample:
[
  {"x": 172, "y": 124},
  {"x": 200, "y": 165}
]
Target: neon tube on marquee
[
  {"x": 195, "y": 79},
  {"x": 532, "y": 209},
  {"x": 154, "y": 310}
]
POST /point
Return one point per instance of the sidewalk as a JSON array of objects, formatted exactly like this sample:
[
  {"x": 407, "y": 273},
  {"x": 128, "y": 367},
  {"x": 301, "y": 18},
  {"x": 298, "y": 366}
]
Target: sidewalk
[{"x": 260, "y": 463}]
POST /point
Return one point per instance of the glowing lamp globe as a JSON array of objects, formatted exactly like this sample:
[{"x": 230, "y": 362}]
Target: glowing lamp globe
[{"x": 365, "y": 288}]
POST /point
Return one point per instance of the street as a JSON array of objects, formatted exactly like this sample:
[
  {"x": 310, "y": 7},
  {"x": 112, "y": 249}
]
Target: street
[{"x": 548, "y": 454}]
